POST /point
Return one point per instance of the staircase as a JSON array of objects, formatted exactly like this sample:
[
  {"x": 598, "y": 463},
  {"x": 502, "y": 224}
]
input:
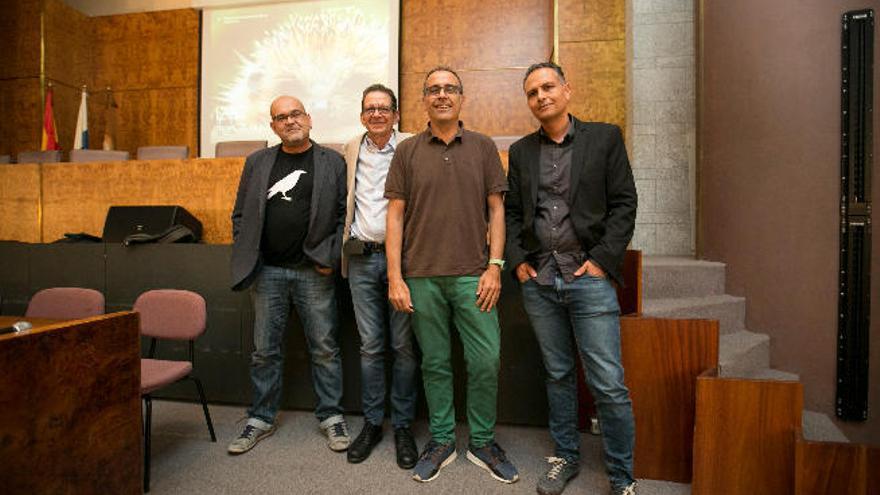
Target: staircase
[{"x": 678, "y": 287}]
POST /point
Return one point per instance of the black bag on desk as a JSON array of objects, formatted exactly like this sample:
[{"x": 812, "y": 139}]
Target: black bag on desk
[{"x": 141, "y": 224}]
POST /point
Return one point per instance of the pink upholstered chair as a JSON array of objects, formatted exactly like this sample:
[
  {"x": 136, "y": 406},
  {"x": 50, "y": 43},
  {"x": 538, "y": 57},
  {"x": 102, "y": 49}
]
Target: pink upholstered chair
[
  {"x": 174, "y": 315},
  {"x": 65, "y": 303}
]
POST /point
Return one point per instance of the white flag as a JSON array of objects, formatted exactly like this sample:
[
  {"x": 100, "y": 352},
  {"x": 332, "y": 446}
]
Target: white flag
[{"x": 81, "y": 135}]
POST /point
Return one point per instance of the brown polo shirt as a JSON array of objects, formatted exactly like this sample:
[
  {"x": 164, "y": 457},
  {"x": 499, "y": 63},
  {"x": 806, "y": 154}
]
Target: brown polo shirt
[{"x": 445, "y": 188}]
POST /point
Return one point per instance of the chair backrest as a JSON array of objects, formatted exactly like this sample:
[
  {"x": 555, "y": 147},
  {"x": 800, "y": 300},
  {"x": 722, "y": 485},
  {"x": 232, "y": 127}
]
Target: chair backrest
[
  {"x": 66, "y": 303},
  {"x": 171, "y": 314},
  {"x": 98, "y": 156},
  {"x": 238, "y": 148},
  {"x": 162, "y": 152},
  {"x": 5, "y": 158},
  {"x": 334, "y": 146},
  {"x": 51, "y": 156}
]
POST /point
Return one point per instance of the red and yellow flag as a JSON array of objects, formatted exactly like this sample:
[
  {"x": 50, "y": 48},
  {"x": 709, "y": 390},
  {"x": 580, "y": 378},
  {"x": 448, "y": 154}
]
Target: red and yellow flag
[{"x": 50, "y": 138}]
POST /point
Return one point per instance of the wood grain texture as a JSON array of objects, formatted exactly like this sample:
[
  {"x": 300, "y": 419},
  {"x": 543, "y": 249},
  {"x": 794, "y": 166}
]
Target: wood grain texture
[
  {"x": 70, "y": 408},
  {"x": 592, "y": 20},
  {"x": 20, "y": 39},
  {"x": 596, "y": 71},
  {"x": 662, "y": 359},
  {"x": 20, "y": 100},
  {"x": 20, "y": 202},
  {"x": 830, "y": 468},
  {"x": 491, "y": 34},
  {"x": 76, "y": 197},
  {"x": 744, "y": 436},
  {"x": 151, "y": 62},
  {"x": 494, "y": 103},
  {"x": 69, "y": 45}
]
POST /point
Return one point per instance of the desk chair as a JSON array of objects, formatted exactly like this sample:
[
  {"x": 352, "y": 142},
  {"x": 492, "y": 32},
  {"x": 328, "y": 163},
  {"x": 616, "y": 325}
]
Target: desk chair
[
  {"x": 162, "y": 152},
  {"x": 173, "y": 315},
  {"x": 97, "y": 156},
  {"x": 65, "y": 303},
  {"x": 238, "y": 148},
  {"x": 39, "y": 156}
]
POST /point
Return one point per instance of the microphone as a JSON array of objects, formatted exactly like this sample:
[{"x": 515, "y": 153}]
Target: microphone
[{"x": 19, "y": 326}]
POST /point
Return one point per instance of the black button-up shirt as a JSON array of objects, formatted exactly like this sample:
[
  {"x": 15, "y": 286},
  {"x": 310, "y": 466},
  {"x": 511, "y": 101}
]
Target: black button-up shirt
[{"x": 561, "y": 251}]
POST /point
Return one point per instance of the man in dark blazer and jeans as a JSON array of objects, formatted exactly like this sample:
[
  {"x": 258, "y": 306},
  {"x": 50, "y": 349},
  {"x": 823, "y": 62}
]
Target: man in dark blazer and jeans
[
  {"x": 286, "y": 230},
  {"x": 570, "y": 214}
]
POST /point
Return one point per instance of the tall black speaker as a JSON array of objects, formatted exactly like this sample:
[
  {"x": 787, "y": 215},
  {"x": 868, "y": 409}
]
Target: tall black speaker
[{"x": 123, "y": 221}]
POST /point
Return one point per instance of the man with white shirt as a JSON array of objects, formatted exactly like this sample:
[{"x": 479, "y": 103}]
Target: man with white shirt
[{"x": 368, "y": 158}]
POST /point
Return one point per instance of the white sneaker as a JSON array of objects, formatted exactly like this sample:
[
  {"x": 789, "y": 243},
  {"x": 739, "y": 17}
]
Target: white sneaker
[
  {"x": 254, "y": 431},
  {"x": 337, "y": 433}
]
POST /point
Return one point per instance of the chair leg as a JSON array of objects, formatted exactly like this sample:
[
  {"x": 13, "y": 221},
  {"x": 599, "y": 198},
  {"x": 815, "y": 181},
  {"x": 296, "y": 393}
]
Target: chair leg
[
  {"x": 148, "y": 408},
  {"x": 205, "y": 407}
]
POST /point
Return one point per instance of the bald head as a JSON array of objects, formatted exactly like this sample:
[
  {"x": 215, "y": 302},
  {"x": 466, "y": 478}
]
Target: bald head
[{"x": 291, "y": 123}]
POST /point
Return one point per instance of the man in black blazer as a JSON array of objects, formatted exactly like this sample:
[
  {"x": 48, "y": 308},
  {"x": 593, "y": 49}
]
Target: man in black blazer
[
  {"x": 286, "y": 230},
  {"x": 570, "y": 214}
]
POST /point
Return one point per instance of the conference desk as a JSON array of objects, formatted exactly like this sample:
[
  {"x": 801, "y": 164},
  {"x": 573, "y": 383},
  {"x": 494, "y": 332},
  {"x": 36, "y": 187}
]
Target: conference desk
[{"x": 70, "y": 419}]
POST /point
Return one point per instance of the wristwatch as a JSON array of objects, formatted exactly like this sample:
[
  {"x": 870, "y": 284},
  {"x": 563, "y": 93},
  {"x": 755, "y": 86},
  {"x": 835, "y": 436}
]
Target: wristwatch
[{"x": 497, "y": 261}]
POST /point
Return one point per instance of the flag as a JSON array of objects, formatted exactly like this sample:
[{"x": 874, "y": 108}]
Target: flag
[
  {"x": 81, "y": 135},
  {"x": 110, "y": 122},
  {"x": 49, "y": 140}
]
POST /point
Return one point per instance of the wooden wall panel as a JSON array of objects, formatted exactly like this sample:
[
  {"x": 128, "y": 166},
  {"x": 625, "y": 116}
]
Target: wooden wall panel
[
  {"x": 592, "y": 20},
  {"x": 76, "y": 196},
  {"x": 744, "y": 436},
  {"x": 494, "y": 103},
  {"x": 490, "y": 59},
  {"x": 69, "y": 44},
  {"x": 662, "y": 359},
  {"x": 20, "y": 102},
  {"x": 829, "y": 468},
  {"x": 70, "y": 408},
  {"x": 20, "y": 39},
  {"x": 597, "y": 73},
  {"x": 20, "y": 202},
  {"x": 151, "y": 62}
]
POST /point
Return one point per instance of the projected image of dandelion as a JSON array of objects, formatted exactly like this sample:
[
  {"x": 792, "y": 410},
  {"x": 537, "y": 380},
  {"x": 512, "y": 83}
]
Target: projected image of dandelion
[{"x": 325, "y": 59}]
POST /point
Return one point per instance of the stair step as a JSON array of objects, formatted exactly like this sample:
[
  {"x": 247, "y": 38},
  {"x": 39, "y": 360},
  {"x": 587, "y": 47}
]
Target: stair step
[
  {"x": 820, "y": 428},
  {"x": 743, "y": 353},
  {"x": 730, "y": 311},
  {"x": 675, "y": 276},
  {"x": 771, "y": 374}
]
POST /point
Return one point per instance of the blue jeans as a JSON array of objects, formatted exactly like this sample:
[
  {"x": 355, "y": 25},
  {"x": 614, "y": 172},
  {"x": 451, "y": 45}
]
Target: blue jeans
[
  {"x": 376, "y": 322},
  {"x": 587, "y": 308},
  {"x": 314, "y": 296}
]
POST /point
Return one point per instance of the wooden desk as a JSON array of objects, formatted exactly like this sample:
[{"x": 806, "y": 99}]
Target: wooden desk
[
  {"x": 70, "y": 416},
  {"x": 37, "y": 324}
]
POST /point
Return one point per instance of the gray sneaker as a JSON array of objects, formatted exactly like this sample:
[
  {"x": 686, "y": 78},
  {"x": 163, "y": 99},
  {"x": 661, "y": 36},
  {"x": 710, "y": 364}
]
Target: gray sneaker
[
  {"x": 560, "y": 473},
  {"x": 254, "y": 431},
  {"x": 336, "y": 430},
  {"x": 629, "y": 489}
]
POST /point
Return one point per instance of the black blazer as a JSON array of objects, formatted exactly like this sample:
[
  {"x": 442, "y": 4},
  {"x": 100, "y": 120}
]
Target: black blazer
[
  {"x": 602, "y": 196},
  {"x": 322, "y": 244}
]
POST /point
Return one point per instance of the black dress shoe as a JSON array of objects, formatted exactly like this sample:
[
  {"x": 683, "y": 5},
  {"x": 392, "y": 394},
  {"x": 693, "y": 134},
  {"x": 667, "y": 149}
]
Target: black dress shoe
[
  {"x": 360, "y": 449},
  {"x": 405, "y": 445}
]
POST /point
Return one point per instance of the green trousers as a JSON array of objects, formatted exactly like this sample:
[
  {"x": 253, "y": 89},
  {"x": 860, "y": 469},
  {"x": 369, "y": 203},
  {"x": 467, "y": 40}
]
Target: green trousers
[{"x": 439, "y": 302}]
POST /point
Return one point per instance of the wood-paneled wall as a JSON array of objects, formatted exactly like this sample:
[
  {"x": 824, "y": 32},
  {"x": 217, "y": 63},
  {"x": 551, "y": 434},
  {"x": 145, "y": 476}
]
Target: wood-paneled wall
[
  {"x": 151, "y": 62},
  {"x": 489, "y": 44},
  {"x": 20, "y": 76}
]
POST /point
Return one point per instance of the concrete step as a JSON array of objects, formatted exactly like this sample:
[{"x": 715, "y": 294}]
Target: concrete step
[
  {"x": 743, "y": 353},
  {"x": 730, "y": 311},
  {"x": 674, "y": 276},
  {"x": 820, "y": 428}
]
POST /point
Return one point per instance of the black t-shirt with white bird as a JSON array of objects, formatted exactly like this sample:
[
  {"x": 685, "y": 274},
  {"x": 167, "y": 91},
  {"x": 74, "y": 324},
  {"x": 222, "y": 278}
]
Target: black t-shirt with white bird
[{"x": 288, "y": 204}]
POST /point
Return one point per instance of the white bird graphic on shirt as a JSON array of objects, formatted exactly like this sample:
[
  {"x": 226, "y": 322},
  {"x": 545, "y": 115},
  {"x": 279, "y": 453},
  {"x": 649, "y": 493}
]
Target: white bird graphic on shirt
[{"x": 285, "y": 185}]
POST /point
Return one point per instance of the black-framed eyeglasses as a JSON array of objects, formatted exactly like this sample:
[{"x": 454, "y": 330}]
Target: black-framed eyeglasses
[
  {"x": 385, "y": 111},
  {"x": 449, "y": 89},
  {"x": 283, "y": 117}
]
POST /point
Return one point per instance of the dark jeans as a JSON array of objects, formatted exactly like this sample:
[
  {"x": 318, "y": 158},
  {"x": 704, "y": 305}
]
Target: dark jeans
[
  {"x": 588, "y": 308},
  {"x": 275, "y": 291}
]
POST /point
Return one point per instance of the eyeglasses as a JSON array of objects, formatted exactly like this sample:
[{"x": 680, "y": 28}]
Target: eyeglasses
[
  {"x": 283, "y": 117},
  {"x": 385, "y": 111},
  {"x": 449, "y": 89}
]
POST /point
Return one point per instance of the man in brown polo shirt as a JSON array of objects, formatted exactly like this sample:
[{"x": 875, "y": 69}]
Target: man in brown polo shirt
[{"x": 445, "y": 190}]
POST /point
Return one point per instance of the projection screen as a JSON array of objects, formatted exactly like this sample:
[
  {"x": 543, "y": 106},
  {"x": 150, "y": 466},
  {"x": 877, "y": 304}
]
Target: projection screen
[{"x": 323, "y": 52}]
